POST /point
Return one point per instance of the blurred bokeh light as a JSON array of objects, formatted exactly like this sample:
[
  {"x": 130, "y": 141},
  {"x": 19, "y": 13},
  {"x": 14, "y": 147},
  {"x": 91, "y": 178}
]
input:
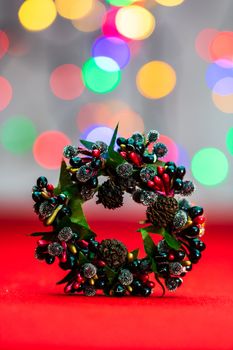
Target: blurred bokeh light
[
  {"x": 156, "y": 79},
  {"x": 74, "y": 9},
  {"x": 48, "y": 148},
  {"x": 37, "y": 15},
  {"x": 210, "y": 166},
  {"x": 93, "y": 20},
  {"x": 5, "y": 93}
]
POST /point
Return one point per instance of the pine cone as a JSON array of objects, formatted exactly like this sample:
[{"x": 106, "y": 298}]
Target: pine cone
[
  {"x": 113, "y": 252},
  {"x": 110, "y": 195},
  {"x": 128, "y": 184},
  {"x": 162, "y": 212}
]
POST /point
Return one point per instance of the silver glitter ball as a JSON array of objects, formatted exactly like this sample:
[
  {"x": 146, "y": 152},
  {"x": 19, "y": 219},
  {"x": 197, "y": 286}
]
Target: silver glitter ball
[
  {"x": 84, "y": 173},
  {"x": 171, "y": 284},
  {"x": 163, "y": 247},
  {"x": 125, "y": 277},
  {"x": 152, "y": 136},
  {"x": 89, "y": 270},
  {"x": 188, "y": 188},
  {"x": 180, "y": 219},
  {"x": 124, "y": 170},
  {"x": 89, "y": 291},
  {"x": 70, "y": 151},
  {"x": 55, "y": 249},
  {"x": 160, "y": 149},
  {"x": 87, "y": 193},
  {"x": 46, "y": 209},
  {"x": 65, "y": 234},
  {"x": 102, "y": 146},
  {"x": 147, "y": 174},
  {"x": 175, "y": 268},
  {"x": 148, "y": 198}
]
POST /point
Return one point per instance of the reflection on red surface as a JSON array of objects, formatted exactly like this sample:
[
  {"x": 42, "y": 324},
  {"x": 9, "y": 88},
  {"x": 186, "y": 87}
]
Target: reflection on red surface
[{"x": 36, "y": 314}]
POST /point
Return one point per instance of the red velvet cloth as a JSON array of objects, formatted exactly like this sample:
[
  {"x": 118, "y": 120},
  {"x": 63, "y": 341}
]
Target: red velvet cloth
[{"x": 35, "y": 314}]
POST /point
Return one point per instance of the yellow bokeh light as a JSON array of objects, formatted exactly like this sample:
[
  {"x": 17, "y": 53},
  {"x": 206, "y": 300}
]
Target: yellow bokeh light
[
  {"x": 93, "y": 20},
  {"x": 37, "y": 15},
  {"x": 170, "y": 2},
  {"x": 135, "y": 22},
  {"x": 74, "y": 9},
  {"x": 156, "y": 79},
  {"x": 223, "y": 103}
]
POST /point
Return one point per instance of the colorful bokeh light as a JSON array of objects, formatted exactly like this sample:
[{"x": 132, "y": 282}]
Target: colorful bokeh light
[
  {"x": 98, "y": 133},
  {"x": 101, "y": 80},
  {"x": 37, "y": 15},
  {"x": 5, "y": 93},
  {"x": 170, "y": 2},
  {"x": 135, "y": 22},
  {"x": 109, "y": 24},
  {"x": 216, "y": 73},
  {"x": 66, "y": 82},
  {"x": 203, "y": 42},
  {"x": 173, "y": 151},
  {"x": 4, "y": 43},
  {"x": 93, "y": 20},
  {"x": 229, "y": 141},
  {"x": 221, "y": 47},
  {"x": 120, "y": 2},
  {"x": 223, "y": 103},
  {"x": 224, "y": 86},
  {"x": 92, "y": 114},
  {"x": 156, "y": 79},
  {"x": 74, "y": 9},
  {"x": 112, "y": 47},
  {"x": 129, "y": 122},
  {"x": 48, "y": 149},
  {"x": 18, "y": 134},
  {"x": 210, "y": 166}
]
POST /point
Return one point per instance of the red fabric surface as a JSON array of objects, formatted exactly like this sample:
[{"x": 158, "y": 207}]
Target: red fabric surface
[{"x": 35, "y": 314}]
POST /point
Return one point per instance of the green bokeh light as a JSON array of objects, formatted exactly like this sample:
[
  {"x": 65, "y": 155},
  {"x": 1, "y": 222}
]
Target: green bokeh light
[
  {"x": 99, "y": 80},
  {"x": 120, "y": 2},
  {"x": 18, "y": 134},
  {"x": 229, "y": 141},
  {"x": 209, "y": 166}
]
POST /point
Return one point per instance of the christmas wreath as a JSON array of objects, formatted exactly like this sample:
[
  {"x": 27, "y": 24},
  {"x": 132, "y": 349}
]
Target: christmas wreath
[{"x": 107, "y": 266}]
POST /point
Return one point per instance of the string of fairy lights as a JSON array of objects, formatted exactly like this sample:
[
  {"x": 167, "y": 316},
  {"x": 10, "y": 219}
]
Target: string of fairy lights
[{"x": 120, "y": 26}]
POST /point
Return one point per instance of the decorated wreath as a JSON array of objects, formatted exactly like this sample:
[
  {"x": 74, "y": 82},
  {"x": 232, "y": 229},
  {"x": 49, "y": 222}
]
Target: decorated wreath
[{"x": 108, "y": 266}]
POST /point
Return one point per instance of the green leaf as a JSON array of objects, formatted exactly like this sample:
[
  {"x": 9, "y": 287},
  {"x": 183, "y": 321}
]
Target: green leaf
[
  {"x": 149, "y": 246},
  {"x": 113, "y": 140},
  {"x": 135, "y": 253},
  {"x": 171, "y": 241},
  {"x": 77, "y": 215},
  {"x": 115, "y": 156},
  {"x": 85, "y": 232},
  {"x": 87, "y": 144},
  {"x": 67, "y": 278},
  {"x": 111, "y": 274},
  {"x": 82, "y": 258},
  {"x": 64, "y": 179},
  {"x": 153, "y": 265},
  {"x": 36, "y": 234},
  {"x": 153, "y": 229}
]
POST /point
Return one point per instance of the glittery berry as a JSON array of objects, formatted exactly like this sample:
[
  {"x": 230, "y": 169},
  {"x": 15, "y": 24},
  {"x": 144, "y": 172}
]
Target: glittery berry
[
  {"x": 89, "y": 291},
  {"x": 124, "y": 170},
  {"x": 125, "y": 277},
  {"x": 188, "y": 188},
  {"x": 180, "y": 219},
  {"x": 55, "y": 249},
  {"x": 89, "y": 270},
  {"x": 70, "y": 151},
  {"x": 171, "y": 284},
  {"x": 45, "y": 209},
  {"x": 65, "y": 234},
  {"x": 175, "y": 268},
  {"x": 84, "y": 173},
  {"x": 160, "y": 150},
  {"x": 152, "y": 136},
  {"x": 147, "y": 174}
]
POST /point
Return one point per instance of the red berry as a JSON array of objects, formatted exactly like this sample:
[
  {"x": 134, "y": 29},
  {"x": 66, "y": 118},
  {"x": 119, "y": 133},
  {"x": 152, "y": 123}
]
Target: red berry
[
  {"x": 76, "y": 285},
  {"x": 101, "y": 263},
  {"x": 150, "y": 183},
  {"x": 50, "y": 187},
  {"x": 96, "y": 153},
  {"x": 136, "y": 159},
  {"x": 199, "y": 219},
  {"x": 158, "y": 181},
  {"x": 171, "y": 257},
  {"x": 150, "y": 284},
  {"x": 160, "y": 170},
  {"x": 123, "y": 154},
  {"x": 166, "y": 178}
]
